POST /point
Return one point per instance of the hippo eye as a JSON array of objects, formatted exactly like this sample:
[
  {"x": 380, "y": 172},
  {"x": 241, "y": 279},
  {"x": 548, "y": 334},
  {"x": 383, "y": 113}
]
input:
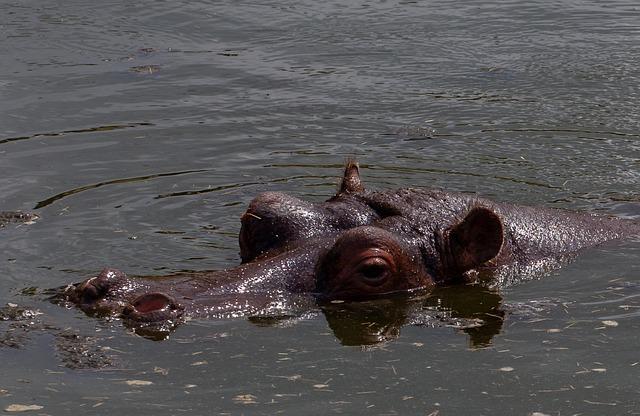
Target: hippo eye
[{"x": 374, "y": 270}]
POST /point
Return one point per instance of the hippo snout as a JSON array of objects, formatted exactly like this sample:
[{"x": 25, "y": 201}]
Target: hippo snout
[{"x": 112, "y": 293}]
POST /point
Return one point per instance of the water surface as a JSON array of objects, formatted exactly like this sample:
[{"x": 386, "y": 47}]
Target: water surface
[{"x": 139, "y": 132}]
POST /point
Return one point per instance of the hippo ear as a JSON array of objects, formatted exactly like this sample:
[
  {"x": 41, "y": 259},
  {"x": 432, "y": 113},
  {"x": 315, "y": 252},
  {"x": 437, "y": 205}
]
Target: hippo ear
[
  {"x": 473, "y": 241},
  {"x": 350, "y": 183}
]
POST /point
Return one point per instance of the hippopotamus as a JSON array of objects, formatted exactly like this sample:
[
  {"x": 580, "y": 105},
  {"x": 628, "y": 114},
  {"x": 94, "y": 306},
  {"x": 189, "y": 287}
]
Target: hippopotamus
[{"x": 358, "y": 245}]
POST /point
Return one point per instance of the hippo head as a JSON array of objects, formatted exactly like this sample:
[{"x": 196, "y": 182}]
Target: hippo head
[
  {"x": 357, "y": 245},
  {"x": 375, "y": 243}
]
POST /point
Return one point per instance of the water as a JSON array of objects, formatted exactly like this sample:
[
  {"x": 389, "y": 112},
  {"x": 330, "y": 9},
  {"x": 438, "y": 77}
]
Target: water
[{"x": 141, "y": 130}]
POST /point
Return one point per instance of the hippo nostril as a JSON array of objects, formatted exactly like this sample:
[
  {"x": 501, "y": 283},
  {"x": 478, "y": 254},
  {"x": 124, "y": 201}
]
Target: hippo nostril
[
  {"x": 89, "y": 292},
  {"x": 152, "y": 308},
  {"x": 152, "y": 302},
  {"x": 107, "y": 278},
  {"x": 152, "y": 315}
]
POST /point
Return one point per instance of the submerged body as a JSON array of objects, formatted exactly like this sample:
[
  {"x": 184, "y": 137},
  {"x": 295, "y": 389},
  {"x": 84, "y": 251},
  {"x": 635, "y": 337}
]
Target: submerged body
[{"x": 357, "y": 245}]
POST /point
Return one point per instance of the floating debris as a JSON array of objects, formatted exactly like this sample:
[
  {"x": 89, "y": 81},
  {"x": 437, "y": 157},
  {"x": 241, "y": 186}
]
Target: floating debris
[
  {"x": 160, "y": 370},
  {"x": 7, "y": 217},
  {"x": 600, "y": 403},
  {"x": 145, "y": 69},
  {"x": 22, "y": 407},
  {"x": 139, "y": 382},
  {"x": 228, "y": 52},
  {"x": 245, "y": 399}
]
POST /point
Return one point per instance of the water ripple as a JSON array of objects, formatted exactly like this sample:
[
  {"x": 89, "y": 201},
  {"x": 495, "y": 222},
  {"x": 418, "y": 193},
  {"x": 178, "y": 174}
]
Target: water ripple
[{"x": 57, "y": 197}]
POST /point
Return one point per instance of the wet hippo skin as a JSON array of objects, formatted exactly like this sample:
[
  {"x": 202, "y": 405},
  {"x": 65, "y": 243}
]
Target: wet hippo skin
[{"x": 358, "y": 245}]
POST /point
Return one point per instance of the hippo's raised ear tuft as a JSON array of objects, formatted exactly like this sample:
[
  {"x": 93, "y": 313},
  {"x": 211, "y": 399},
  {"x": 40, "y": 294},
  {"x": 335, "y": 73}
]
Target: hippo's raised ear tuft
[
  {"x": 473, "y": 241},
  {"x": 351, "y": 183}
]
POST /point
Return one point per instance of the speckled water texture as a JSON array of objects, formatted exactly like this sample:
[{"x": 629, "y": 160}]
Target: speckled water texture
[{"x": 139, "y": 132}]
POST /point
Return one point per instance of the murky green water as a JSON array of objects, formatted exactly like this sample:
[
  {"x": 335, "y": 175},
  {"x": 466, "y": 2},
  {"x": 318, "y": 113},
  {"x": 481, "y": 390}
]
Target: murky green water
[{"x": 139, "y": 131}]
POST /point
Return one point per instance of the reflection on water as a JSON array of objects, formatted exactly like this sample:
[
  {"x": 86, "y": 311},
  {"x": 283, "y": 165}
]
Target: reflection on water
[{"x": 473, "y": 309}]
